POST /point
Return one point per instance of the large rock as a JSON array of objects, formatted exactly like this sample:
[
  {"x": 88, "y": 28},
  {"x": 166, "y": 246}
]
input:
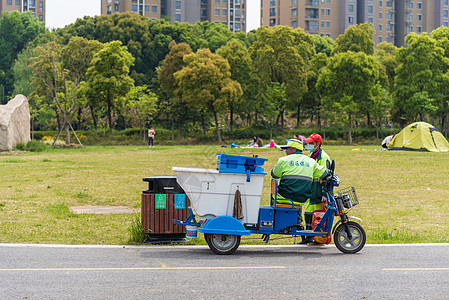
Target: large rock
[{"x": 14, "y": 123}]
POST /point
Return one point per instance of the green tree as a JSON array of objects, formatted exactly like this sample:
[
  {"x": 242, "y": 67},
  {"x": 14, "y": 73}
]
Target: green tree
[
  {"x": 141, "y": 105},
  {"x": 241, "y": 71},
  {"x": 357, "y": 38},
  {"x": 280, "y": 55},
  {"x": 323, "y": 44},
  {"x": 176, "y": 106},
  {"x": 205, "y": 83},
  {"x": 108, "y": 76},
  {"x": 17, "y": 30},
  {"x": 347, "y": 84},
  {"x": 420, "y": 69},
  {"x": 58, "y": 72}
]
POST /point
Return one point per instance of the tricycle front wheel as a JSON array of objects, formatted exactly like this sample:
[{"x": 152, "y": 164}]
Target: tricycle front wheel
[
  {"x": 222, "y": 244},
  {"x": 344, "y": 243}
]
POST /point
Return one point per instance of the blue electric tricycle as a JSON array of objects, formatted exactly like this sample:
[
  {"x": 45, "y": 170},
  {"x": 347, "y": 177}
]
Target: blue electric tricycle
[{"x": 223, "y": 233}]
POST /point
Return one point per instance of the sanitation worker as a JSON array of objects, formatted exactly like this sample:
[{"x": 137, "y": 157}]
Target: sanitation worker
[
  {"x": 314, "y": 142},
  {"x": 297, "y": 172}
]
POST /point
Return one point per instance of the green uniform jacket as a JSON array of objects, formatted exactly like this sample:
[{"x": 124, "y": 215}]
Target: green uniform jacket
[
  {"x": 297, "y": 172},
  {"x": 317, "y": 192}
]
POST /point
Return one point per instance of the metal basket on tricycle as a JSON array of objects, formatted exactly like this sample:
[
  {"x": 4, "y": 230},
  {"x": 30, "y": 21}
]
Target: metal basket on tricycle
[{"x": 348, "y": 197}]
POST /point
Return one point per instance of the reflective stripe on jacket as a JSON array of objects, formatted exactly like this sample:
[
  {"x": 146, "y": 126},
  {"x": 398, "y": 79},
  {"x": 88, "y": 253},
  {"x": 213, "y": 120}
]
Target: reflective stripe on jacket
[{"x": 297, "y": 172}]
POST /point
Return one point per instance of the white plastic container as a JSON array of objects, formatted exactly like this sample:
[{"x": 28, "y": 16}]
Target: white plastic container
[{"x": 212, "y": 193}]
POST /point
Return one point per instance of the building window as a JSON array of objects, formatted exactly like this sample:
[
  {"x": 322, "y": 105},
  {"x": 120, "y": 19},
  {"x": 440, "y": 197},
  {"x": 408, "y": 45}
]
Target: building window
[
  {"x": 9, "y": 2},
  {"x": 380, "y": 16},
  {"x": 272, "y": 2},
  {"x": 109, "y": 9},
  {"x": 445, "y": 24},
  {"x": 147, "y": 8},
  {"x": 389, "y": 4},
  {"x": 322, "y": 11},
  {"x": 109, "y": 1},
  {"x": 445, "y": 2},
  {"x": 419, "y": 29},
  {"x": 419, "y": 5},
  {"x": 41, "y": 6},
  {"x": 380, "y": 3},
  {"x": 294, "y": 2},
  {"x": 178, "y": 5},
  {"x": 388, "y": 39},
  {"x": 388, "y": 28},
  {"x": 370, "y": 20},
  {"x": 217, "y": 12},
  {"x": 32, "y": 3},
  {"x": 328, "y": 24},
  {"x": 294, "y": 12},
  {"x": 410, "y": 17},
  {"x": 351, "y": 8},
  {"x": 409, "y": 29},
  {"x": 41, "y": 18},
  {"x": 237, "y": 26},
  {"x": 204, "y": 13},
  {"x": 134, "y": 8},
  {"x": 322, "y": 24},
  {"x": 17, "y": 2},
  {"x": 380, "y": 27},
  {"x": 312, "y": 25},
  {"x": 380, "y": 40},
  {"x": 237, "y": 13},
  {"x": 410, "y": 4},
  {"x": 224, "y": 2},
  {"x": 272, "y": 12},
  {"x": 445, "y": 13},
  {"x": 351, "y": 20},
  {"x": 154, "y": 8},
  {"x": 217, "y": 1},
  {"x": 419, "y": 18},
  {"x": 389, "y": 16},
  {"x": 272, "y": 22},
  {"x": 178, "y": 17},
  {"x": 224, "y": 12},
  {"x": 328, "y": 12},
  {"x": 328, "y": 1},
  {"x": 294, "y": 24},
  {"x": 237, "y": 2},
  {"x": 370, "y": 9}
]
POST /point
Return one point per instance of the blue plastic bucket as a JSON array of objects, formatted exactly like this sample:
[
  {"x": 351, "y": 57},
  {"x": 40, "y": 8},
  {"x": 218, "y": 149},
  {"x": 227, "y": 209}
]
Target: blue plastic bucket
[{"x": 191, "y": 231}]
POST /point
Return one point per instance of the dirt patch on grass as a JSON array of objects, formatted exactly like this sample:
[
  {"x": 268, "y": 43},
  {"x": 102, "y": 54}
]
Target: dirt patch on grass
[{"x": 102, "y": 210}]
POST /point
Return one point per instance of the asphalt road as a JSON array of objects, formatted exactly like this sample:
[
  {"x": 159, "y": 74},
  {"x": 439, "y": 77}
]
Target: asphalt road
[{"x": 419, "y": 271}]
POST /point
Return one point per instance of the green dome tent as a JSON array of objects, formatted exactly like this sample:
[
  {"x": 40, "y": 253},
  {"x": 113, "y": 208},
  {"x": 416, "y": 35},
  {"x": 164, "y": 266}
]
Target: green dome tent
[{"x": 419, "y": 136}]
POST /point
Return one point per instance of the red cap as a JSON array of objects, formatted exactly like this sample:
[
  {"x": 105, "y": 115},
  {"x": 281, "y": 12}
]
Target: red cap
[{"x": 314, "y": 137}]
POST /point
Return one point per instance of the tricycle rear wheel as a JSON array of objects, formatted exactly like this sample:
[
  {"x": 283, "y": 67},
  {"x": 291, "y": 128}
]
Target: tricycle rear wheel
[
  {"x": 222, "y": 244},
  {"x": 353, "y": 245}
]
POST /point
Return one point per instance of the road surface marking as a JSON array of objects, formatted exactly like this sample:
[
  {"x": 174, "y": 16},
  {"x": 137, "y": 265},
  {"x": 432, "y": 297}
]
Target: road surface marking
[
  {"x": 127, "y": 269},
  {"x": 416, "y": 269}
]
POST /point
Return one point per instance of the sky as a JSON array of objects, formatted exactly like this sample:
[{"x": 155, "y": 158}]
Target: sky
[{"x": 60, "y": 13}]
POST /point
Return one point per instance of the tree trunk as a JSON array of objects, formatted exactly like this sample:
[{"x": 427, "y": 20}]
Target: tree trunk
[
  {"x": 94, "y": 118},
  {"x": 180, "y": 128},
  {"x": 368, "y": 120},
  {"x": 282, "y": 121},
  {"x": 231, "y": 119},
  {"x": 349, "y": 129},
  {"x": 67, "y": 130},
  {"x": 297, "y": 117},
  {"x": 110, "y": 117},
  {"x": 276, "y": 124},
  {"x": 203, "y": 123},
  {"x": 318, "y": 119},
  {"x": 216, "y": 126},
  {"x": 173, "y": 130}
]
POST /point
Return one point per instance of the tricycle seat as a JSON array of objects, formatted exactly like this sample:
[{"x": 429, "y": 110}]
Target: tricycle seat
[{"x": 279, "y": 201}]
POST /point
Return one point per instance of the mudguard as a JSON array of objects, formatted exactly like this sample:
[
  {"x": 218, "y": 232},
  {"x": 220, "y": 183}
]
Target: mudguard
[
  {"x": 224, "y": 225},
  {"x": 349, "y": 217}
]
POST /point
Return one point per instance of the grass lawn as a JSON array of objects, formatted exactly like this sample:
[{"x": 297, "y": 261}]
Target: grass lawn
[{"x": 403, "y": 195}]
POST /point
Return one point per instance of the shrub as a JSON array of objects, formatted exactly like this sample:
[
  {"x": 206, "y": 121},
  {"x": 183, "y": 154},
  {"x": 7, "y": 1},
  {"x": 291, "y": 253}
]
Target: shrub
[
  {"x": 20, "y": 146},
  {"x": 35, "y": 146}
]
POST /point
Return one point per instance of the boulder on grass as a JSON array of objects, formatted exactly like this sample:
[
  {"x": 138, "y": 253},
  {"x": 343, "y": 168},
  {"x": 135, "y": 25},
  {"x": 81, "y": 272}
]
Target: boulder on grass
[{"x": 14, "y": 123}]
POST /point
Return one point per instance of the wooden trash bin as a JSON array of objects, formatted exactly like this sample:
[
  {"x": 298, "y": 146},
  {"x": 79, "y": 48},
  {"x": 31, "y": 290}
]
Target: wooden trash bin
[{"x": 161, "y": 203}]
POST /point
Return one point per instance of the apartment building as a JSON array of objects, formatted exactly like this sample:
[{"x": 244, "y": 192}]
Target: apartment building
[
  {"x": 37, "y": 7},
  {"x": 149, "y": 8},
  {"x": 324, "y": 17},
  {"x": 228, "y": 12},
  {"x": 391, "y": 19}
]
